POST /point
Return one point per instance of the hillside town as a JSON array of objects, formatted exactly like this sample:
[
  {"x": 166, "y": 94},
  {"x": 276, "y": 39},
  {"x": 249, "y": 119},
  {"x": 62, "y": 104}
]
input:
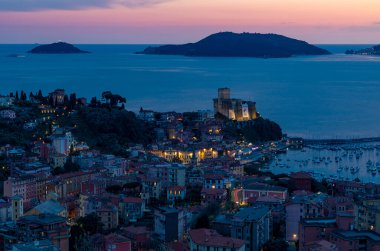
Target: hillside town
[{"x": 79, "y": 175}]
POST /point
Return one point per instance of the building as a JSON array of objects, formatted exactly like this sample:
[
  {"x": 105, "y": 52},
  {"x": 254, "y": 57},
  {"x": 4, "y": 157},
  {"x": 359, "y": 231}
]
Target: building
[
  {"x": 210, "y": 196},
  {"x": 7, "y": 114},
  {"x": 321, "y": 245},
  {"x": 109, "y": 215},
  {"x": 5, "y": 210},
  {"x": 151, "y": 189},
  {"x": 301, "y": 207},
  {"x": 355, "y": 240},
  {"x": 29, "y": 187},
  {"x": 50, "y": 206},
  {"x": 367, "y": 215},
  {"x": 262, "y": 190},
  {"x": 146, "y": 115},
  {"x": 44, "y": 226},
  {"x": 57, "y": 97},
  {"x": 40, "y": 245},
  {"x": 175, "y": 193},
  {"x": 6, "y": 100},
  {"x": 139, "y": 236},
  {"x": 234, "y": 109},
  {"x": 312, "y": 230},
  {"x": 171, "y": 174},
  {"x": 301, "y": 180},
  {"x": 69, "y": 184},
  {"x": 131, "y": 209},
  {"x": 116, "y": 242},
  {"x": 214, "y": 181},
  {"x": 169, "y": 224},
  {"x": 17, "y": 207},
  {"x": 253, "y": 225},
  {"x": 57, "y": 160},
  {"x": 209, "y": 240}
]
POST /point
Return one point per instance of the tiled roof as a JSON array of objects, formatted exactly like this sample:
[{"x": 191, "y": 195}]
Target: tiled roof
[{"x": 208, "y": 237}]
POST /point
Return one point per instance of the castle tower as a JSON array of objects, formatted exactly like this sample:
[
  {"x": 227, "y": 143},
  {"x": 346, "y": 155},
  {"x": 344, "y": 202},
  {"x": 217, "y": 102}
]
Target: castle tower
[{"x": 224, "y": 93}]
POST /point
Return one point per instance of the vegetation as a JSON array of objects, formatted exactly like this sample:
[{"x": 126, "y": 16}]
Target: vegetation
[
  {"x": 206, "y": 216},
  {"x": 275, "y": 245},
  {"x": 56, "y": 48},
  {"x": 85, "y": 226},
  {"x": 108, "y": 129},
  {"x": 67, "y": 168},
  {"x": 260, "y": 130}
]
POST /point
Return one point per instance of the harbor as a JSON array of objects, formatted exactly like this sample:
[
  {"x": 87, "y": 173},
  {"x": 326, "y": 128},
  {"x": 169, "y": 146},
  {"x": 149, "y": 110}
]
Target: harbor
[{"x": 354, "y": 161}]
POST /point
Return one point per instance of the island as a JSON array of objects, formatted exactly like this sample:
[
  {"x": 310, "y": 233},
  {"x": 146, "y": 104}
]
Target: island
[
  {"x": 229, "y": 44},
  {"x": 56, "y": 48},
  {"x": 375, "y": 50}
]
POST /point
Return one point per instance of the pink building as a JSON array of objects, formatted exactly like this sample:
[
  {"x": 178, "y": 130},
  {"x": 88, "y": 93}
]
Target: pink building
[{"x": 257, "y": 190}]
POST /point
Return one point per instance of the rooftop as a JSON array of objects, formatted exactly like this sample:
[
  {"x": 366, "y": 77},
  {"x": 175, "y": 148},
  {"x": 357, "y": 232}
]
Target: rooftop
[
  {"x": 251, "y": 213},
  {"x": 50, "y": 206},
  {"x": 353, "y": 234},
  {"x": 43, "y": 219},
  {"x": 208, "y": 237}
]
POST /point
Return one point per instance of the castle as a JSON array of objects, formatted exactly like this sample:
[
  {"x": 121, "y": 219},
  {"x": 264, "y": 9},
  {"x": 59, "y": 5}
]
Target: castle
[{"x": 234, "y": 109}]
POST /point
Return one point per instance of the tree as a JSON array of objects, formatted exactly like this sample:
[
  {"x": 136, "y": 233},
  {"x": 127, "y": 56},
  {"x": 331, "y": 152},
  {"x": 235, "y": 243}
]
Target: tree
[
  {"x": 93, "y": 102},
  {"x": 90, "y": 224},
  {"x": 115, "y": 189},
  {"x": 275, "y": 245},
  {"x": 23, "y": 96},
  {"x": 73, "y": 100},
  {"x": 113, "y": 99},
  {"x": 39, "y": 95},
  {"x": 67, "y": 168},
  {"x": 66, "y": 100},
  {"x": 51, "y": 100},
  {"x": 85, "y": 226}
]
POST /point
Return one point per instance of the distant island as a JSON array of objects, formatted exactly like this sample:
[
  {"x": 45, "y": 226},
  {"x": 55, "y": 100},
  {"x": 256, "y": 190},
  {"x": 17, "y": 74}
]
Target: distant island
[
  {"x": 229, "y": 44},
  {"x": 56, "y": 48},
  {"x": 375, "y": 50}
]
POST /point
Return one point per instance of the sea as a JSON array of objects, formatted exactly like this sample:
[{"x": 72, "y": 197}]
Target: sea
[{"x": 316, "y": 97}]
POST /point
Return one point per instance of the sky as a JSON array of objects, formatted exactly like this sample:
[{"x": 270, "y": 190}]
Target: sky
[{"x": 179, "y": 21}]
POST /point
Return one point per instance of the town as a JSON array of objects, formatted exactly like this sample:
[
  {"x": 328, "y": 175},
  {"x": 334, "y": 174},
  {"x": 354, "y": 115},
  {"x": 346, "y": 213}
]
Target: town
[{"x": 79, "y": 175}]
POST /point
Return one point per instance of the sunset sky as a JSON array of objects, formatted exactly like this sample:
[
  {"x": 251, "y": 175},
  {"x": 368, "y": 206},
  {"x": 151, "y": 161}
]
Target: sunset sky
[{"x": 177, "y": 21}]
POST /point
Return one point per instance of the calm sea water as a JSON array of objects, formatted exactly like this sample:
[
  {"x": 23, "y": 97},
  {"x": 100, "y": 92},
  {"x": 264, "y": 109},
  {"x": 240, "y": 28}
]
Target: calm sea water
[{"x": 315, "y": 97}]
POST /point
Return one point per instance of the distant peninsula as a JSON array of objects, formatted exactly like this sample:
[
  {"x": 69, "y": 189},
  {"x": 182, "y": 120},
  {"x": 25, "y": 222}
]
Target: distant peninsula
[
  {"x": 56, "y": 48},
  {"x": 229, "y": 44},
  {"x": 375, "y": 50}
]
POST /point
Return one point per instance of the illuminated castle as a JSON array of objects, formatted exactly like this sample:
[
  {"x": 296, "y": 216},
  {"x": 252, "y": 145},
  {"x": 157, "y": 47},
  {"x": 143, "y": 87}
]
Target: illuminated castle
[{"x": 234, "y": 109}]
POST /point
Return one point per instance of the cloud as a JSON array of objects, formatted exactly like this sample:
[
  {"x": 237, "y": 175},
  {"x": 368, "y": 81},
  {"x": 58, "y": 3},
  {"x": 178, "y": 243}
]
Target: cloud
[{"x": 36, "y": 5}]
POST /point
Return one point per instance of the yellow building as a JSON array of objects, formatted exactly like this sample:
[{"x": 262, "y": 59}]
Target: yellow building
[{"x": 186, "y": 156}]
